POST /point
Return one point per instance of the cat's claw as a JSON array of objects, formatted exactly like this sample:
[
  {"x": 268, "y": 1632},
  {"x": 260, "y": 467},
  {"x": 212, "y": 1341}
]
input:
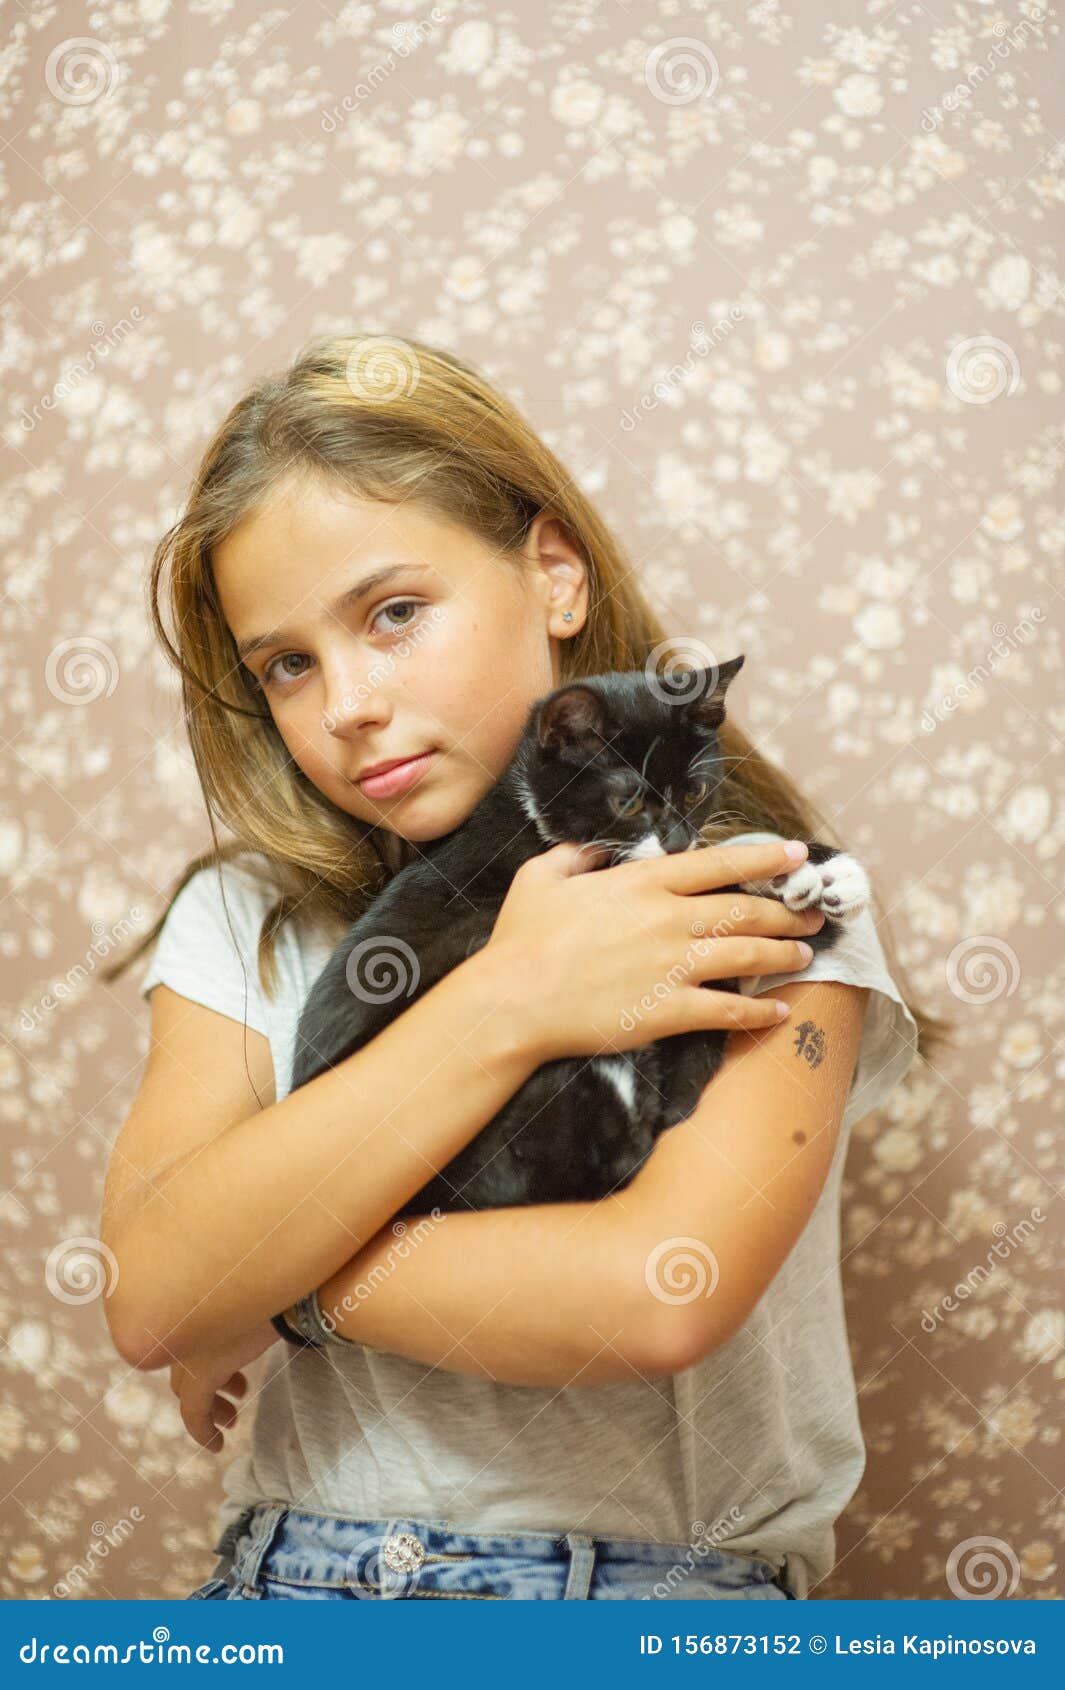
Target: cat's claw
[
  {"x": 840, "y": 887},
  {"x": 846, "y": 889}
]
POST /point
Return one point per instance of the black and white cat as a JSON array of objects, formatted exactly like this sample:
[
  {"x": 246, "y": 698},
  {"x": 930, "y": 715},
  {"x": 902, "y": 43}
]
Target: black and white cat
[{"x": 612, "y": 758}]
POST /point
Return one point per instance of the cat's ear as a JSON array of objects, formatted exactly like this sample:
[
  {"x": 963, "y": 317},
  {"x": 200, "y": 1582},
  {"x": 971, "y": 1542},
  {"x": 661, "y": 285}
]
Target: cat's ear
[
  {"x": 708, "y": 700},
  {"x": 574, "y": 716}
]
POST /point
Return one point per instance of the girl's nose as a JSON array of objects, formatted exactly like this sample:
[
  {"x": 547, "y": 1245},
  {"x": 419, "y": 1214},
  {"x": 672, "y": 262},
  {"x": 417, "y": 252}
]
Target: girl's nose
[{"x": 353, "y": 700}]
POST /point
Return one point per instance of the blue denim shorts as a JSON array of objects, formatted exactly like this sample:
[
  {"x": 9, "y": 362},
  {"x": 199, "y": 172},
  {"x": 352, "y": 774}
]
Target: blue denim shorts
[{"x": 273, "y": 1550}]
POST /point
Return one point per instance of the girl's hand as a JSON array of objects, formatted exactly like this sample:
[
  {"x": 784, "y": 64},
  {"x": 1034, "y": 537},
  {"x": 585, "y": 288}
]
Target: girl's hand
[
  {"x": 197, "y": 1382},
  {"x": 616, "y": 958}
]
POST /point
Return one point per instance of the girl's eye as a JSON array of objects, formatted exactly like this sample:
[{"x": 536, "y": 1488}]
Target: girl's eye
[
  {"x": 270, "y": 679},
  {"x": 399, "y": 604},
  {"x": 695, "y": 795},
  {"x": 630, "y": 806}
]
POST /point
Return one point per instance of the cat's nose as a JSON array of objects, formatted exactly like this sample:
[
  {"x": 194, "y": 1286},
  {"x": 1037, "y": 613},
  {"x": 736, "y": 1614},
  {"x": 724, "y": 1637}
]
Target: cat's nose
[{"x": 677, "y": 838}]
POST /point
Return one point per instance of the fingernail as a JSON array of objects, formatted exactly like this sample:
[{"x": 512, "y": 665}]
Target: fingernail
[
  {"x": 782, "y": 1008},
  {"x": 795, "y": 850},
  {"x": 805, "y": 951}
]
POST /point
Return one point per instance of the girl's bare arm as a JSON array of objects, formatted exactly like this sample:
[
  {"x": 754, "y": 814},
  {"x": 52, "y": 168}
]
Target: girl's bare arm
[
  {"x": 253, "y": 1211},
  {"x": 582, "y": 1293}
]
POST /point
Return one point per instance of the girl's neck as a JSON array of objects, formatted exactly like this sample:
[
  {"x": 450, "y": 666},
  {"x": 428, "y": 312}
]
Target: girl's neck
[{"x": 394, "y": 851}]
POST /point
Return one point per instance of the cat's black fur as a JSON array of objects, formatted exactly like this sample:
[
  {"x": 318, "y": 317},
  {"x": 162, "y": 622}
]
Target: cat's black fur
[{"x": 579, "y": 1127}]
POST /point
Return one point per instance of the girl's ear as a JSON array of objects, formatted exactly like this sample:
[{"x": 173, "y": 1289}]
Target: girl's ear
[{"x": 573, "y": 717}]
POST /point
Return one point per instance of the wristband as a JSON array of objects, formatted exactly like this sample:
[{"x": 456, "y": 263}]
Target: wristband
[
  {"x": 281, "y": 1325},
  {"x": 308, "y": 1325},
  {"x": 308, "y": 1318}
]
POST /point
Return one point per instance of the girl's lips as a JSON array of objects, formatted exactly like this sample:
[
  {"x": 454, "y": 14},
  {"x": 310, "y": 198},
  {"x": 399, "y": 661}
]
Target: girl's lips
[{"x": 396, "y": 779}]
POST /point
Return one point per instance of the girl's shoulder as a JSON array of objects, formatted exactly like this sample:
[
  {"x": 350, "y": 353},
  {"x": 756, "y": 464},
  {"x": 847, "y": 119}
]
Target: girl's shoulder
[
  {"x": 207, "y": 947},
  {"x": 889, "y": 1032}
]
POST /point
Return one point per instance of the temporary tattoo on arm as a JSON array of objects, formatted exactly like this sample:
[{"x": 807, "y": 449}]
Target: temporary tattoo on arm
[{"x": 810, "y": 1043}]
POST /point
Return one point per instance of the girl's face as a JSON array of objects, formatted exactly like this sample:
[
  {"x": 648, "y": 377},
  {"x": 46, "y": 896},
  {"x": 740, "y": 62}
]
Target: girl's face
[{"x": 443, "y": 656}]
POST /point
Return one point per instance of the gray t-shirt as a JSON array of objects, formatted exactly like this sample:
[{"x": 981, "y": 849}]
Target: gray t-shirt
[{"x": 758, "y": 1447}]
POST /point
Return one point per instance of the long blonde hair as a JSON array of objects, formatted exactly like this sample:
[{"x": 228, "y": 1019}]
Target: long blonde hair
[{"x": 391, "y": 420}]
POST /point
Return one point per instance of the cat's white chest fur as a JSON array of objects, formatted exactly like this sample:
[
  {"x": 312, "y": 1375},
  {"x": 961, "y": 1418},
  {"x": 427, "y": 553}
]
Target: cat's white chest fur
[{"x": 617, "y": 1069}]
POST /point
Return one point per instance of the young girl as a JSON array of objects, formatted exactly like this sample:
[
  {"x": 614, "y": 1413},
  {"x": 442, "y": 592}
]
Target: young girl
[{"x": 647, "y": 1396}]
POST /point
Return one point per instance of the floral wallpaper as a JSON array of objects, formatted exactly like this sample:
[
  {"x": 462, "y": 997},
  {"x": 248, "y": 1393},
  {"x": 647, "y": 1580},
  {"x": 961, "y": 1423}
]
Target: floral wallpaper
[{"x": 782, "y": 285}]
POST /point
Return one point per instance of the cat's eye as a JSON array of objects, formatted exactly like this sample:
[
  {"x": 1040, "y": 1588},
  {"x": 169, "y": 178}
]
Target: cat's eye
[
  {"x": 629, "y": 806},
  {"x": 695, "y": 795}
]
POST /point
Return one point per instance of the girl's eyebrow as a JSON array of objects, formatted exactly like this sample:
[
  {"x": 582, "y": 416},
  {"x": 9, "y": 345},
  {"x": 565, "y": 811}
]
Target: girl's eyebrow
[{"x": 368, "y": 584}]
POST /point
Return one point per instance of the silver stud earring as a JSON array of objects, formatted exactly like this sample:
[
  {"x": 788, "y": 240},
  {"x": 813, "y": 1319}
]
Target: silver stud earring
[{"x": 567, "y": 616}]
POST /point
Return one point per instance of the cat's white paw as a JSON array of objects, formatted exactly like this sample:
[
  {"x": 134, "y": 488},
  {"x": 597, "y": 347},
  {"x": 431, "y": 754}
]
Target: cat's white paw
[
  {"x": 845, "y": 887},
  {"x": 839, "y": 887},
  {"x": 800, "y": 888}
]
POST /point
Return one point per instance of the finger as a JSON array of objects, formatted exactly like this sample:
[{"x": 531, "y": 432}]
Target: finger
[
  {"x": 728, "y": 959},
  {"x": 722, "y": 865},
  {"x": 198, "y": 1422},
  {"x": 719, "y": 915},
  {"x": 224, "y": 1412},
  {"x": 571, "y": 857},
  {"x": 729, "y": 1012},
  {"x": 236, "y": 1386}
]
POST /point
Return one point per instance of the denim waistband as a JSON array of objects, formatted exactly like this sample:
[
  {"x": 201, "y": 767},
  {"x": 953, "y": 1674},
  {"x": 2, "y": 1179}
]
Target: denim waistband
[{"x": 273, "y": 1535}]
